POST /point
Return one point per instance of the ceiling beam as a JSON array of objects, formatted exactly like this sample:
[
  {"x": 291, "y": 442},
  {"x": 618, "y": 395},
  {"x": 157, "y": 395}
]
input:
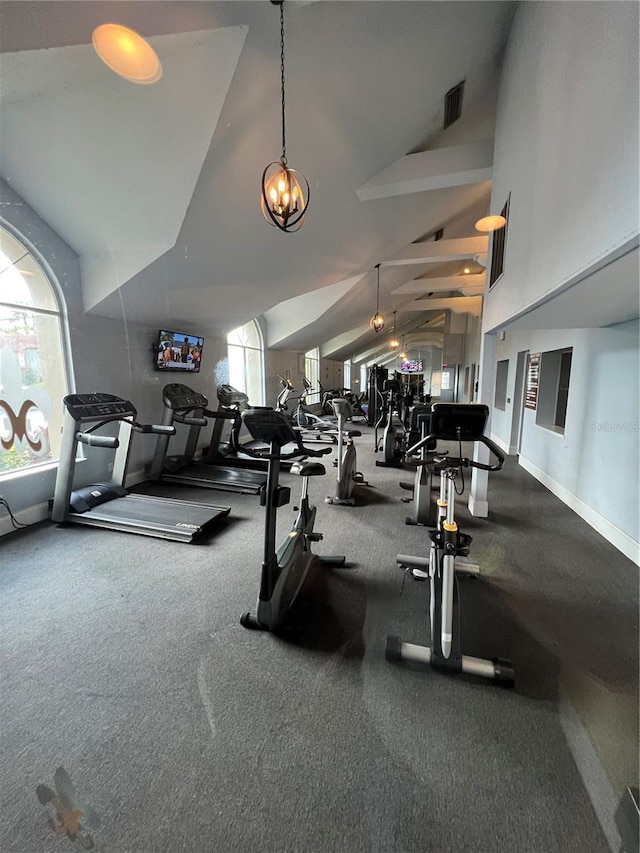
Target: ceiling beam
[
  {"x": 457, "y": 304},
  {"x": 432, "y": 170},
  {"x": 450, "y": 282},
  {"x": 438, "y": 251}
]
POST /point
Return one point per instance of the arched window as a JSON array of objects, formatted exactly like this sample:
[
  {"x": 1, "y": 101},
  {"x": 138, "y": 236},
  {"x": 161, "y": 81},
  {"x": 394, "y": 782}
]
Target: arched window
[
  {"x": 312, "y": 372},
  {"x": 34, "y": 375},
  {"x": 246, "y": 361},
  {"x": 346, "y": 382}
]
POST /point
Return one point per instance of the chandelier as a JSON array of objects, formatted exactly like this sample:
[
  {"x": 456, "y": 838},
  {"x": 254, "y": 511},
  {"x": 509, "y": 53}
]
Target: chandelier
[
  {"x": 377, "y": 321},
  {"x": 285, "y": 191}
]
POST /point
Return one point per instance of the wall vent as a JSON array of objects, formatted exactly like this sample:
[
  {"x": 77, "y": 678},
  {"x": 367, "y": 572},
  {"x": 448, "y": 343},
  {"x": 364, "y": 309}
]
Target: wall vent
[{"x": 453, "y": 104}]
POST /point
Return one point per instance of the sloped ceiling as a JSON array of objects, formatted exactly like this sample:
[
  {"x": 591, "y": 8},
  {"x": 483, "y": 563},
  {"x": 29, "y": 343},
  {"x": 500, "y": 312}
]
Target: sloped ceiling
[{"x": 157, "y": 187}]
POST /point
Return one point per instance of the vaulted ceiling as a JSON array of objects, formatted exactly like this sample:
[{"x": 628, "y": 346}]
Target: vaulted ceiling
[{"x": 157, "y": 187}]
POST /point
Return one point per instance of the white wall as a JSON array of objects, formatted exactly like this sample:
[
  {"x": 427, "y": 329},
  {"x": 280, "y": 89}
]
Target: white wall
[
  {"x": 566, "y": 146},
  {"x": 594, "y": 465}
]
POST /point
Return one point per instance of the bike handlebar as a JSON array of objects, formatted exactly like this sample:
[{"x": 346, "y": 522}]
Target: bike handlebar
[{"x": 463, "y": 461}]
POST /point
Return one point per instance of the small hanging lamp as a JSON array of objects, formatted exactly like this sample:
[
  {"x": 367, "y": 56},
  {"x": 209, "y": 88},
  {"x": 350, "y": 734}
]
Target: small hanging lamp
[
  {"x": 285, "y": 191},
  {"x": 403, "y": 353},
  {"x": 377, "y": 321},
  {"x": 394, "y": 343}
]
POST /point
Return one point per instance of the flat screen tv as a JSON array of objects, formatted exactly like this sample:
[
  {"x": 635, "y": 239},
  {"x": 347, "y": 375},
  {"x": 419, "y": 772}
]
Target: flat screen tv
[
  {"x": 413, "y": 366},
  {"x": 179, "y": 351}
]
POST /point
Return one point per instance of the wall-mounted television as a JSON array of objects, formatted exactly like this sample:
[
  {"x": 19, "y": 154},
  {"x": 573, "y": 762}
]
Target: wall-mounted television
[
  {"x": 412, "y": 366},
  {"x": 180, "y": 351}
]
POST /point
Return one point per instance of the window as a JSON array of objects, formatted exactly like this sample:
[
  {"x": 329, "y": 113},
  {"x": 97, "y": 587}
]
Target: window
[
  {"x": 553, "y": 389},
  {"x": 246, "y": 361},
  {"x": 498, "y": 243},
  {"x": 33, "y": 369},
  {"x": 502, "y": 373},
  {"x": 347, "y": 374},
  {"x": 312, "y": 372}
]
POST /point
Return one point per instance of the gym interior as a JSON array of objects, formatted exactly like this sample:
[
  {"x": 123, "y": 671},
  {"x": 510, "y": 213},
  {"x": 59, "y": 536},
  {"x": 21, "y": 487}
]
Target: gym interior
[{"x": 140, "y": 254}]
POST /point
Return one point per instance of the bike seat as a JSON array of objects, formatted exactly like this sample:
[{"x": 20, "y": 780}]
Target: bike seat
[{"x": 305, "y": 468}]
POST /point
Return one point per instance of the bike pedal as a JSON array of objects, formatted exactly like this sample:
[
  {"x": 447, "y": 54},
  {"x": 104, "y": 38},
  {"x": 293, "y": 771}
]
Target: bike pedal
[
  {"x": 419, "y": 575},
  {"x": 314, "y": 537}
]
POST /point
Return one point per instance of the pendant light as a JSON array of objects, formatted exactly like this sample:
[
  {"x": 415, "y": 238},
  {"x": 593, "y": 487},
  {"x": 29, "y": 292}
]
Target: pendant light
[
  {"x": 285, "y": 191},
  {"x": 403, "y": 353},
  {"x": 394, "y": 343},
  {"x": 377, "y": 321}
]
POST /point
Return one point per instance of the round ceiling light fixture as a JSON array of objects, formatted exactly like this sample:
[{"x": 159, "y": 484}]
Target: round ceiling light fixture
[
  {"x": 490, "y": 223},
  {"x": 127, "y": 53}
]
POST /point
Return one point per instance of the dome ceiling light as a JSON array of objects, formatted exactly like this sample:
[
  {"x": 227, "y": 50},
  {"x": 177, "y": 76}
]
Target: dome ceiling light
[
  {"x": 127, "y": 53},
  {"x": 490, "y": 223}
]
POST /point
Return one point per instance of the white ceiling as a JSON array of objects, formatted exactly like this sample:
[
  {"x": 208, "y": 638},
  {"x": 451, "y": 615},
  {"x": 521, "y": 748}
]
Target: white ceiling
[{"x": 157, "y": 187}]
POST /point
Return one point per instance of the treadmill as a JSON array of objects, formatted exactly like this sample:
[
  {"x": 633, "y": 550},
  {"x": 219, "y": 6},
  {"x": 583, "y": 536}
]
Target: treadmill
[
  {"x": 109, "y": 504},
  {"x": 186, "y": 406}
]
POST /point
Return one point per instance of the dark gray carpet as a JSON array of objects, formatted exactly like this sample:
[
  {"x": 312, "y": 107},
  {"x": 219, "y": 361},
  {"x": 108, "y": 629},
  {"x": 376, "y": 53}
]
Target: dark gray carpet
[{"x": 124, "y": 663}]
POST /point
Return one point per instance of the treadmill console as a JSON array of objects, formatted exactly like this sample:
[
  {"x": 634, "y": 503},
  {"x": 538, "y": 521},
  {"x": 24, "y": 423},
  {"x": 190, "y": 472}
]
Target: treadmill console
[
  {"x": 179, "y": 397},
  {"x": 230, "y": 396},
  {"x": 98, "y": 407}
]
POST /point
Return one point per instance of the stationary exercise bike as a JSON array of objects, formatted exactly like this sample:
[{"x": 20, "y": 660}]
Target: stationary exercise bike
[
  {"x": 450, "y": 422},
  {"x": 348, "y": 475},
  {"x": 283, "y": 570}
]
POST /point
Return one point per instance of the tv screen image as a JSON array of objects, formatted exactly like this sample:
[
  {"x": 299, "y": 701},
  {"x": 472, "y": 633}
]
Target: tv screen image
[
  {"x": 413, "y": 366},
  {"x": 179, "y": 351}
]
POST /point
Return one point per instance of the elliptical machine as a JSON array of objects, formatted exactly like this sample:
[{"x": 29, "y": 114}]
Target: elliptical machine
[
  {"x": 450, "y": 422},
  {"x": 348, "y": 476},
  {"x": 284, "y": 569},
  {"x": 393, "y": 431}
]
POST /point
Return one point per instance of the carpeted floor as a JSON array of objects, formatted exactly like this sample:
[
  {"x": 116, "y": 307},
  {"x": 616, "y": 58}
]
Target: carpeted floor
[{"x": 124, "y": 664}]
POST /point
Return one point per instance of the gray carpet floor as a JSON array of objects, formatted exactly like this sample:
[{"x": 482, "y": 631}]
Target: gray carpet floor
[{"x": 124, "y": 664}]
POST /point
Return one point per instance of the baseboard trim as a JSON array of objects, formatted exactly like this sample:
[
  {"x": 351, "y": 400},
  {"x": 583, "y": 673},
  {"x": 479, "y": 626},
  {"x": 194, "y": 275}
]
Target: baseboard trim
[
  {"x": 617, "y": 537},
  {"x": 29, "y": 515},
  {"x": 594, "y": 778}
]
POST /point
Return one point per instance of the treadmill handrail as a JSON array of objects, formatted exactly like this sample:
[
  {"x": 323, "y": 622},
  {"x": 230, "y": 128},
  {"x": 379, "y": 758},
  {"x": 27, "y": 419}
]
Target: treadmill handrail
[
  {"x": 98, "y": 440},
  {"x": 189, "y": 420},
  {"x": 159, "y": 429}
]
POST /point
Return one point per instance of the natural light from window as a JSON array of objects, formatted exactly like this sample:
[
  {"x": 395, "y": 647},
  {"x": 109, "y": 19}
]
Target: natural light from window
[
  {"x": 33, "y": 377},
  {"x": 246, "y": 361}
]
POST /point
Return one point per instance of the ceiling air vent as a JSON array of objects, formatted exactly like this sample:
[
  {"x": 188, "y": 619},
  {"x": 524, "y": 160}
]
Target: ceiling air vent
[{"x": 453, "y": 104}]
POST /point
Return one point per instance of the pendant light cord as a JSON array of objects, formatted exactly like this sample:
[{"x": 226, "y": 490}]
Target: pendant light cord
[{"x": 284, "y": 145}]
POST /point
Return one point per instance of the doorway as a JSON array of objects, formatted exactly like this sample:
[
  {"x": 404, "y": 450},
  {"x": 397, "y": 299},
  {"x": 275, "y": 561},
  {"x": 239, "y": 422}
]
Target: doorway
[{"x": 518, "y": 403}]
